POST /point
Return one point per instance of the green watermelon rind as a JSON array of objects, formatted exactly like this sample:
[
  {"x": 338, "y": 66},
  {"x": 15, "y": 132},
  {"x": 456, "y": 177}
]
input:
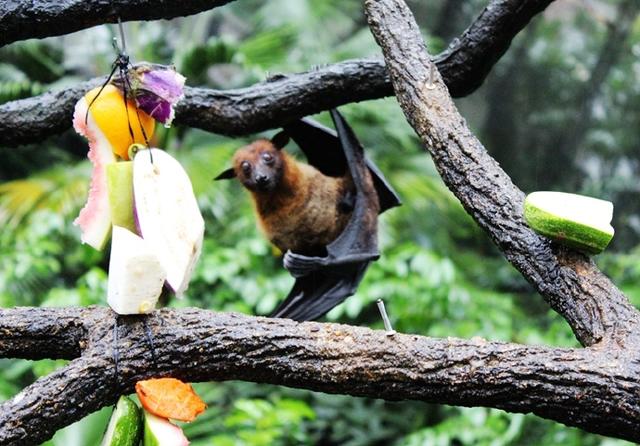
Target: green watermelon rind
[
  {"x": 125, "y": 425},
  {"x": 568, "y": 232}
]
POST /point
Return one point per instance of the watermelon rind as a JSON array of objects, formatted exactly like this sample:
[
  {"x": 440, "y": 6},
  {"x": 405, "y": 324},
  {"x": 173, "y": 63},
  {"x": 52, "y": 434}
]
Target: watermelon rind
[{"x": 577, "y": 221}]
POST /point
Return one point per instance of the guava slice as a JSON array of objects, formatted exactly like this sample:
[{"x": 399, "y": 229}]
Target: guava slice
[
  {"x": 120, "y": 186},
  {"x": 161, "y": 432},
  {"x": 167, "y": 214},
  {"x": 125, "y": 425},
  {"x": 578, "y": 221},
  {"x": 136, "y": 275},
  {"x": 95, "y": 217}
]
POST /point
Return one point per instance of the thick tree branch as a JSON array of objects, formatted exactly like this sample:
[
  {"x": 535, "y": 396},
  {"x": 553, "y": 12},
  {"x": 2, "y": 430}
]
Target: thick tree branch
[
  {"x": 570, "y": 282},
  {"x": 21, "y": 19},
  {"x": 595, "y": 389},
  {"x": 55, "y": 333},
  {"x": 464, "y": 65}
]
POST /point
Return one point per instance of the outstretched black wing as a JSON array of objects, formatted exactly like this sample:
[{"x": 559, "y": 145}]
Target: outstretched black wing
[{"x": 324, "y": 282}]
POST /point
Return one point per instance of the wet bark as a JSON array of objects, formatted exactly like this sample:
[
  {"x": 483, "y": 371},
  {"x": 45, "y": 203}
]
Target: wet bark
[
  {"x": 591, "y": 388},
  {"x": 21, "y": 19},
  {"x": 570, "y": 282}
]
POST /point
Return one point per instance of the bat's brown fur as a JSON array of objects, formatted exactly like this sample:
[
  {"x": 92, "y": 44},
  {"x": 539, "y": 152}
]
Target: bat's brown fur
[{"x": 304, "y": 209}]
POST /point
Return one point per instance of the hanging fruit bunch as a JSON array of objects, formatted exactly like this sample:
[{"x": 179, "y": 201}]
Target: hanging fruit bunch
[{"x": 142, "y": 199}]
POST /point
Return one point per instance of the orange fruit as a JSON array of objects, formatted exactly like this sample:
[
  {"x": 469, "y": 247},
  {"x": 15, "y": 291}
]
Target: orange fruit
[{"x": 110, "y": 115}]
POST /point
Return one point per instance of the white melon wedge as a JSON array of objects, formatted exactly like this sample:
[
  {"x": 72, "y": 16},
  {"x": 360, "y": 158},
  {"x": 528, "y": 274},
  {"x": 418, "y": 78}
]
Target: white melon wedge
[
  {"x": 161, "y": 432},
  {"x": 167, "y": 214},
  {"x": 577, "y": 221},
  {"x": 136, "y": 275}
]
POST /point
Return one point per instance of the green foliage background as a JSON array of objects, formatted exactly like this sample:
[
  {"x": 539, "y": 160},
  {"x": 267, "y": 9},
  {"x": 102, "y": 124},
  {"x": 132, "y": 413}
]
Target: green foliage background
[{"x": 439, "y": 274}]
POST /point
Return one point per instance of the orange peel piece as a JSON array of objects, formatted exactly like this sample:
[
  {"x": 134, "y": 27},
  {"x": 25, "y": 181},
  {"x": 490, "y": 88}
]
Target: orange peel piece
[{"x": 170, "y": 398}]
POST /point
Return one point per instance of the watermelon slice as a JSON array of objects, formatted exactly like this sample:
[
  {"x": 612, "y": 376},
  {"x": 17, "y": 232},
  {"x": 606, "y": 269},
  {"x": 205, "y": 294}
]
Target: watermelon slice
[
  {"x": 167, "y": 214},
  {"x": 95, "y": 217},
  {"x": 161, "y": 432}
]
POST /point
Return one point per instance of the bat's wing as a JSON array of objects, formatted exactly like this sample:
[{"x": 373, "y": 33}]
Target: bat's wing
[
  {"x": 324, "y": 282},
  {"x": 324, "y": 151},
  {"x": 315, "y": 294}
]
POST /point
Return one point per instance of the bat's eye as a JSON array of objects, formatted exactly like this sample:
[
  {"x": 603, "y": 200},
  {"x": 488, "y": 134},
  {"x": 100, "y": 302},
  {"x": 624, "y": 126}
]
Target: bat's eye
[
  {"x": 267, "y": 157},
  {"x": 246, "y": 167}
]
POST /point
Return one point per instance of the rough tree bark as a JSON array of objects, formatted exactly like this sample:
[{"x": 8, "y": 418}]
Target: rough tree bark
[
  {"x": 595, "y": 388},
  {"x": 43, "y": 18},
  {"x": 288, "y": 97},
  {"x": 591, "y": 388}
]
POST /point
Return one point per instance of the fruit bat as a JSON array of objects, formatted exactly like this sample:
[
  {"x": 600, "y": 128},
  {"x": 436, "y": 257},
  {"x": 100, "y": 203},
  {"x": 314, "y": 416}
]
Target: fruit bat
[{"x": 325, "y": 217}]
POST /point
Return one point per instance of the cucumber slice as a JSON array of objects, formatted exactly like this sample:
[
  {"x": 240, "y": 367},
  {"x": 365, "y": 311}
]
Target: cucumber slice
[
  {"x": 125, "y": 425},
  {"x": 160, "y": 432},
  {"x": 581, "y": 222},
  {"x": 120, "y": 186}
]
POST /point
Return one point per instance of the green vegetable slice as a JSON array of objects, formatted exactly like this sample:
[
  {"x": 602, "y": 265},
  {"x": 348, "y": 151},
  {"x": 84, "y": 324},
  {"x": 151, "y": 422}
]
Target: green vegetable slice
[
  {"x": 120, "y": 186},
  {"x": 578, "y": 221},
  {"x": 125, "y": 426}
]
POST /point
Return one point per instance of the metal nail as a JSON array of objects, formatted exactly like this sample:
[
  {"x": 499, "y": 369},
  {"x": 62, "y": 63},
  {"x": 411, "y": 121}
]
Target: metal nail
[{"x": 385, "y": 318}]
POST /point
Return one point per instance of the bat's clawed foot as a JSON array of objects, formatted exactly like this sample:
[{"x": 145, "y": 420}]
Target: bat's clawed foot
[{"x": 300, "y": 265}]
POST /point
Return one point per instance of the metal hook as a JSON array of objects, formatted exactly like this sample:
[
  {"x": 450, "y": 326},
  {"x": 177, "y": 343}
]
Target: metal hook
[
  {"x": 430, "y": 85},
  {"x": 385, "y": 318},
  {"x": 122, "y": 38}
]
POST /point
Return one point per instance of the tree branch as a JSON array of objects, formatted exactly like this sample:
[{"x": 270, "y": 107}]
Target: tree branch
[
  {"x": 464, "y": 66},
  {"x": 21, "y": 19},
  {"x": 32, "y": 333},
  {"x": 569, "y": 281},
  {"x": 595, "y": 389}
]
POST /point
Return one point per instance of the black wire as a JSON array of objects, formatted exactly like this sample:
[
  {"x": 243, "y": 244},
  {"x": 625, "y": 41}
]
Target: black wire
[{"x": 116, "y": 355}]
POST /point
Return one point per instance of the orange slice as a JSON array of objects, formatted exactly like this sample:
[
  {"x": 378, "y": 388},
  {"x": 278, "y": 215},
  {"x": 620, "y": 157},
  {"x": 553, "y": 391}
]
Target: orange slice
[{"x": 110, "y": 115}]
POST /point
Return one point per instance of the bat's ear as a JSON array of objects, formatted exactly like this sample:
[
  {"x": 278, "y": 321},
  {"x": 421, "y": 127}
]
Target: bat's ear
[
  {"x": 280, "y": 140},
  {"x": 226, "y": 175}
]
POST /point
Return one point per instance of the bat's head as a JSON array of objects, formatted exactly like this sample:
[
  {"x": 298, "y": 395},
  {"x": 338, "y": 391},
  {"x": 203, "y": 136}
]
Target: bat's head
[{"x": 259, "y": 166}]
